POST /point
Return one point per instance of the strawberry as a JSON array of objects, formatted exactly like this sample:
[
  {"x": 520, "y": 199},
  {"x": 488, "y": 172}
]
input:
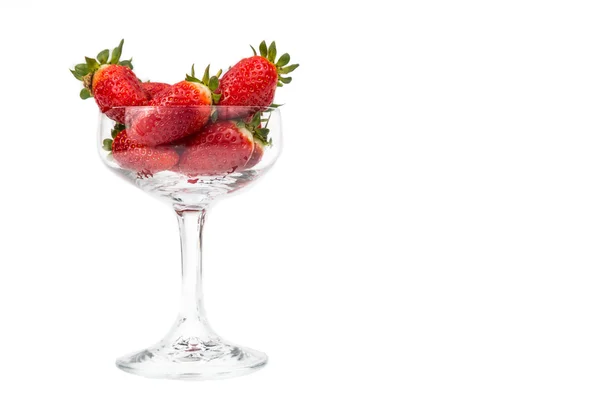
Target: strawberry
[
  {"x": 111, "y": 82},
  {"x": 154, "y": 88},
  {"x": 219, "y": 148},
  {"x": 222, "y": 147},
  {"x": 134, "y": 156},
  {"x": 252, "y": 81},
  {"x": 257, "y": 154},
  {"x": 260, "y": 138},
  {"x": 176, "y": 112}
]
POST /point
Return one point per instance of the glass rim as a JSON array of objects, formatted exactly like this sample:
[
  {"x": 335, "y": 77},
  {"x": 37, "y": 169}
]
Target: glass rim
[{"x": 216, "y": 106}]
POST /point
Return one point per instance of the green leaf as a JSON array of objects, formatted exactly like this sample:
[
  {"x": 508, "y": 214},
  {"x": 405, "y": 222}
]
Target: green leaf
[
  {"x": 103, "y": 56},
  {"x": 82, "y": 69},
  {"x": 262, "y": 134},
  {"x": 255, "y": 119},
  {"x": 263, "y": 48},
  {"x": 192, "y": 79},
  {"x": 206, "y": 75},
  {"x": 116, "y": 53},
  {"x": 76, "y": 75},
  {"x": 127, "y": 63},
  {"x": 275, "y": 105},
  {"x": 216, "y": 97},
  {"x": 85, "y": 94},
  {"x": 107, "y": 144},
  {"x": 219, "y": 72},
  {"x": 117, "y": 129},
  {"x": 283, "y": 60},
  {"x": 213, "y": 83},
  {"x": 92, "y": 64},
  {"x": 263, "y": 131},
  {"x": 253, "y": 49},
  {"x": 214, "y": 115},
  {"x": 285, "y": 79},
  {"x": 272, "y": 53},
  {"x": 288, "y": 69},
  {"x": 279, "y": 84}
]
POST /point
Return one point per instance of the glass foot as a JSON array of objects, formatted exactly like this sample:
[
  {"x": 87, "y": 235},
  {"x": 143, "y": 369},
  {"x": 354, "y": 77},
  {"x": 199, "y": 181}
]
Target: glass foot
[{"x": 193, "y": 359}]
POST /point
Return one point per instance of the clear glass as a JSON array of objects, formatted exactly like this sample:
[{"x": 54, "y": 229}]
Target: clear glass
[{"x": 191, "y": 349}]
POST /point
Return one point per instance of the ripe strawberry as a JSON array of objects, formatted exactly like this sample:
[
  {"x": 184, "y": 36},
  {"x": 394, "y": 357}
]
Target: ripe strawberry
[
  {"x": 252, "y": 81},
  {"x": 223, "y": 147},
  {"x": 134, "y": 156},
  {"x": 177, "y": 112},
  {"x": 154, "y": 88},
  {"x": 112, "y": 83},
  {"x": 219, "y": 148},
  {"x": 261, "y": 139},
  {"x": 257, "y": 154}
]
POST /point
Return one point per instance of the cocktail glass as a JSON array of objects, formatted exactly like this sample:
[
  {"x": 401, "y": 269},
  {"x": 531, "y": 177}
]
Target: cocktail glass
[{"x": 192, "y": 349}]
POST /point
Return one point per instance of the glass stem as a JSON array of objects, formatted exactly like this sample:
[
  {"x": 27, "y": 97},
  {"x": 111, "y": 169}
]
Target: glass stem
[{"x": 191, "y": 223}]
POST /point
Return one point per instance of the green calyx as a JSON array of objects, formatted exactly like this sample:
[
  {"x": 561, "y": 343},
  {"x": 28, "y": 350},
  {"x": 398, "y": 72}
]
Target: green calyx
[
  {"x": 260, "y": 134},
  {"x": 270, "y": 53},
  {"x": 107, "y": 143},
  {"x": 85, "y": 72},
  {"x": 211, "y": 82}
]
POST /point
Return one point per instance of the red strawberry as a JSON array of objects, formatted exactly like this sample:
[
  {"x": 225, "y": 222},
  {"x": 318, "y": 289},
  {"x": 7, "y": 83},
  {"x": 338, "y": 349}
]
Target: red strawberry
[
  {"x": 154, "y": 88},
  {"x": 116, "y": 86},
  {"x": 176, "y": 112},
  {"x": 134, "y": 156},
  {"x": 252, "y": 81},
  {"x": 257, "y": 154},
  {"x": 260, "y": 138},
  {"x": 112, "y": 83},
  {"x": 219, "y": 148}
]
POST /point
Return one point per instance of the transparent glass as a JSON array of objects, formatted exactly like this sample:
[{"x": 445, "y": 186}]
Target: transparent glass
[{"x": 191, "y": 349}]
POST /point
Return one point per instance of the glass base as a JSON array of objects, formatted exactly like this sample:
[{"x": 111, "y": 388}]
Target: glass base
[{"x": 193, "y": 359}]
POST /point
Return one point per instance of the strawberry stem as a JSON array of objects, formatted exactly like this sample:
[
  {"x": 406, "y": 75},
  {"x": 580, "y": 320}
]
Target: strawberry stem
[
  {"x": 102, "y": 57},
  {"x": 85, "y": 94},
  {"x": 116, "y": 54},
  {"x": 263, "y": 49},
  {"x": 211, "y": 82},
  {"x": 270, "y": 53},
  {"x": 117, "y": 129},
  {"x": 283, "y": 60},
  {"x": 107, "y": 144},
  {"x": 85, "y": 72},
  {"x": 260, "y": 134}
]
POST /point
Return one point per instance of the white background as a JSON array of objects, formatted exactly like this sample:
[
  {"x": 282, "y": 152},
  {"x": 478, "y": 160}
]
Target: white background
[{"x": 431, "y": 230}]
